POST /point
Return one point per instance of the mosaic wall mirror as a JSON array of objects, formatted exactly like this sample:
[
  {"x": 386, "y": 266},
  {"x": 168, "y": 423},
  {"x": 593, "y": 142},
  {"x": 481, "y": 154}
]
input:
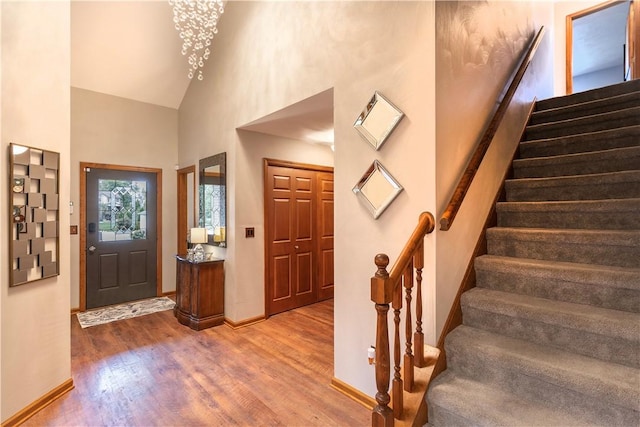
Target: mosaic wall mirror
[
  {"x": 377, "y": 189},
  {"x": 34, "y": 221},
  {"x": 377, "y": 121},
  {"x": 213, "y": 198}
]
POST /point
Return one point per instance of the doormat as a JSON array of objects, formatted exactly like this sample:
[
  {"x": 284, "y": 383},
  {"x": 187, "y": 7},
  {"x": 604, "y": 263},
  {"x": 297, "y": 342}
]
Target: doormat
[{"x": 124, "y": 311}]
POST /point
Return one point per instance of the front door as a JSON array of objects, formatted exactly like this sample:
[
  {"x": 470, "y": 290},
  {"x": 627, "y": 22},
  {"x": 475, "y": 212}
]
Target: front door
[
  {"x": 121, "y": 231},
  {"x": 299, "y": 235}
]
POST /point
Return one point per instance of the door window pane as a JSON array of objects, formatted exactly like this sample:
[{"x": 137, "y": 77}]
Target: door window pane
[{"x": 122, "y": 210}]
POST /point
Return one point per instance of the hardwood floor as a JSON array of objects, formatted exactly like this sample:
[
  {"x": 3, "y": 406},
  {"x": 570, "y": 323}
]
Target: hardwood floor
[{"x": 152, "y": 371}]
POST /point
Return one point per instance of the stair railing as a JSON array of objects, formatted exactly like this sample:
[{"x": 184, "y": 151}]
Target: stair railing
[
  {"x": 474, "y": 163},
  {"x": 387, "y": 288}
]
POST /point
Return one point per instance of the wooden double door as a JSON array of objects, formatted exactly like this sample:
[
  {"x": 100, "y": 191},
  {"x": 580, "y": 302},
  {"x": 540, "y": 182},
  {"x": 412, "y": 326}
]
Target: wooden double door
[{"x": 298, "y": 235}]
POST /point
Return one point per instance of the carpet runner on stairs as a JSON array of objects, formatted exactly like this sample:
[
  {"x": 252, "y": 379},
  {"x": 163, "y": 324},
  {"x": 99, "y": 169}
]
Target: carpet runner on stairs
[{"x": 551, "y": 333}]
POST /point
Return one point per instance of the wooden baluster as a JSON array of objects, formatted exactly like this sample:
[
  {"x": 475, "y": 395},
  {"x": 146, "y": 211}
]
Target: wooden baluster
[
  {"x": 408, "y": 353},
  {"x": 418, "y": 336},
  {"x": 396, "y": 385},
  {"x": 382, "y": 295}
]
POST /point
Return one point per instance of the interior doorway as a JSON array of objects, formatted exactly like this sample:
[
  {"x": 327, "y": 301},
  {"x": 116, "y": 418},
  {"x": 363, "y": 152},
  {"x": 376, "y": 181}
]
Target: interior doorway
[
  {"x": 597, "y": 46},
  {"x": 120, "y": 234},
  {"x": 186, "y": 190},
  {"x": 298, "y": 235}
]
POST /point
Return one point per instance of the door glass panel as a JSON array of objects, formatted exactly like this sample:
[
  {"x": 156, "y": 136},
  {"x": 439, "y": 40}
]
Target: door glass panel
[{"x": 122, "y": 210}]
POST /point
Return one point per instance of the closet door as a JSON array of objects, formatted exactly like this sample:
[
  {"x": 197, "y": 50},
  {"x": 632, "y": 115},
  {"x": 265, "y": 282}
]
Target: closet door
[{"x": 295, "y": 219}]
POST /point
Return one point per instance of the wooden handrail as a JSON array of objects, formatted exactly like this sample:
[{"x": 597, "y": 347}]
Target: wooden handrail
[
  {"x": 474, "y": 163},
  {"x": 387, "y": 288}
]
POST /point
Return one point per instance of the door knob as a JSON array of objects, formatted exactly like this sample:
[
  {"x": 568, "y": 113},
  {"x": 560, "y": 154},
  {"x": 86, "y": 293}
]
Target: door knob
[
  {"x": 297, "y": 247},
  {"x": 91, "y": 249}
]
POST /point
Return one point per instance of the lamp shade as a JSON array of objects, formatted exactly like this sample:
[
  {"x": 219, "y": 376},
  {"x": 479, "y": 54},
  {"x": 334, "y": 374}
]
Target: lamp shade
[{"x": 198, "y": 235}]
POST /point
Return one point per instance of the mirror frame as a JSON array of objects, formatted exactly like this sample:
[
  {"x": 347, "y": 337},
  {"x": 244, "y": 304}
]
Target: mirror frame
[
  {"x": 378, "y": 119},
  {"x": 34, "y": 220},
  {"x": 382, "y": 201},
  {"x": 217, "y": 160}
]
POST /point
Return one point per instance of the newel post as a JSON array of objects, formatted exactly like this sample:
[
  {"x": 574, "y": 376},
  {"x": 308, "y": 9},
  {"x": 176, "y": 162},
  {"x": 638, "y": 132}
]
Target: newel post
[{"x": 381, "y": 295}]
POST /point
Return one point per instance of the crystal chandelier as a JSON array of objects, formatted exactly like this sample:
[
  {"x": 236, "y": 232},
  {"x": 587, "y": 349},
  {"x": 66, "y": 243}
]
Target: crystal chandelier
[{"x": 196, "y": 22}]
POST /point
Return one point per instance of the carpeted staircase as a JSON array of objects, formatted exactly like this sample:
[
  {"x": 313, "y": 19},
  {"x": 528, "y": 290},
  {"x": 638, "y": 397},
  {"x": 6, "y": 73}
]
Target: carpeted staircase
[{"x": 551, "y": 333}]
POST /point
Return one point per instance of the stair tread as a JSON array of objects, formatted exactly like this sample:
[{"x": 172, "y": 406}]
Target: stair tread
[
  {"x": 592, "y": 94},
  {"x": 576, "y": 143},
  {"x": 615, "y": 383},
  {"x": 579, "y": 157},
  {"x": 620, "y": 176},
  {"x": 606, "y": 205},
  {"x": 568, "y": 235},
  {"x": 596, "y": 320},
  {"x": 589, "y": 104},
  {"x": 476, "y": 402},
  {"x": 601, "y": 275}
]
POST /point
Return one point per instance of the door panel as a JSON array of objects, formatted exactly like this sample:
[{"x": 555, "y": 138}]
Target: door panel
[
  {"x": 121, "y": 236},
  {"x": 325, "y": 235},
  {"x": 293, "y": 234}
]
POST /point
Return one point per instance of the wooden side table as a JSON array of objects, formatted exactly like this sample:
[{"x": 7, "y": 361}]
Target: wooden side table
[{"x": 199, "y": 293}]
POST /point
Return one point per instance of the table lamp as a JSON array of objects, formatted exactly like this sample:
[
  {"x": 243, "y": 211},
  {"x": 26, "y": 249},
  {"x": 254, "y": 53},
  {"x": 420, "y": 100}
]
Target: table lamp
[{"x": 198, "y": 236}]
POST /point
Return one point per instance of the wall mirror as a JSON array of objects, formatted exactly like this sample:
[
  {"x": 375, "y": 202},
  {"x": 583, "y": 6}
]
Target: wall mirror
[
  {"x": 33, "y": 204},
  {"x": 377, "y": 121},
  {"x": 377, "y": 189},
  {"x": 213, "y": 198}
]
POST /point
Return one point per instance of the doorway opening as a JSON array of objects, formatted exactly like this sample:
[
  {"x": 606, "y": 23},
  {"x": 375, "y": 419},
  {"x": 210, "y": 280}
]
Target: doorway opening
[
  {"x": 597, "y": 47},
  {"x": 298, "y": 222},
  {"x": 186, "y": 190},
  {"x": 120, "y": 234}
]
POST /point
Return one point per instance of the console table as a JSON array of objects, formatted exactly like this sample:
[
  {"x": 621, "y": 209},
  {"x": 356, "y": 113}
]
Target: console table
[{"x": 199, "y": 293}]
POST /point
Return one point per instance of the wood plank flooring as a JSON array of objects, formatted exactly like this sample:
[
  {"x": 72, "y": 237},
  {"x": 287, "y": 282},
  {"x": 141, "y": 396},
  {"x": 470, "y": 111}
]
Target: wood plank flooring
[{"x": 152, "y": 371}]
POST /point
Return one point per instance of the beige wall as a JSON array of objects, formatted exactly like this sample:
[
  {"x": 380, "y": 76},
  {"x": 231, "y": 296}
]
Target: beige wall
[
  {"x": 34, "y": 329},
  {"x": 113, "y": 130},
  {"x": 269, "y": 55},
  {"x": 478, "y": 44}
]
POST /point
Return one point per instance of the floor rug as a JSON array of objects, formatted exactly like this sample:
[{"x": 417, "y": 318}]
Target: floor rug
[{"x": 124, "y": 311}]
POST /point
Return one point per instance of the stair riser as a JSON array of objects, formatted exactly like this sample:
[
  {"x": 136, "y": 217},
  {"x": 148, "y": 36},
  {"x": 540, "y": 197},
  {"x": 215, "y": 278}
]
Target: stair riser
[
  {"x": 603, "y": 347},
  {"x": 476, "y": 365},
  {"x": 581, "y": 110},
  {"x": 586, "y": 165},
  {"x": 439, "y": 416},
  {"x": 591, "y": 95},
  {"x": 630, "y": 117},
  {"x": 619, "y": 138},
  {"x": 525, "y": 282},
  {"x": 559, "y": 248},
  {"x": 571, "y": 220},
  {"x": 517, "y": 191}
]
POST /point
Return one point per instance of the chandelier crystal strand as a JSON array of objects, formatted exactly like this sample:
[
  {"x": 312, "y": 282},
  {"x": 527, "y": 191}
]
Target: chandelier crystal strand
[{"x": 196, "y": 22}]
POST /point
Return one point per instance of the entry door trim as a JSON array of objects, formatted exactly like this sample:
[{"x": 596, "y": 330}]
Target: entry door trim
[
  {"x": 83, "y": 229},
  {"x": 286, "y": 164},
  {"x": 569, "y": 38}
]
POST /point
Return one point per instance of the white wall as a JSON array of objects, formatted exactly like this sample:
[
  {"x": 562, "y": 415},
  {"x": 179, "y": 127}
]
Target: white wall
[
  {"x": 478, "y": 45},
  {"x": 561, "y": 10},
  {"x": 113, "y": 130},
  {"x": 596, "y": 79},
  {"x": 269, "y": 55},
  {"x": 35, "y": 340}
]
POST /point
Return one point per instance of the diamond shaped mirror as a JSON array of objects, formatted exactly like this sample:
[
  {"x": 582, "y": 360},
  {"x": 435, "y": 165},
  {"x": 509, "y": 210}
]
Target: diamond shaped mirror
[
  {"x": 377, "y": 189},
  {"x": 377, "y": 121}
]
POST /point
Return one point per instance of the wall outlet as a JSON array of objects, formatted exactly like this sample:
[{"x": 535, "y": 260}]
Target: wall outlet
[{"x": 249, "y": 232}]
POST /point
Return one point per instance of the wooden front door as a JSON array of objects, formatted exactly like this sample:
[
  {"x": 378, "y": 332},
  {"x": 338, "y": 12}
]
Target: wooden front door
[
  {"x": 298, "y": 235},
  {"x": 121, "y": 236}
]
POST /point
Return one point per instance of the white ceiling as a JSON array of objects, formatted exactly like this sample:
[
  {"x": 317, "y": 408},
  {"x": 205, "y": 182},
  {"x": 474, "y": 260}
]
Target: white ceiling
[{"x": 598, "y": 39}]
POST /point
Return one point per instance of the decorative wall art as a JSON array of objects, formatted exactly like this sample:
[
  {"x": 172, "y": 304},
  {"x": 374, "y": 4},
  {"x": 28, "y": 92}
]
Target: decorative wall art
[
  {"x": 34, "y": 225},
  {"x": 377, "y": 189},
  {"x": 377, "y": 121}
]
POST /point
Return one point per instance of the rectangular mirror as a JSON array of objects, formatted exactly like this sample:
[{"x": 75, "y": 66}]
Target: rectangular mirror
[
  {"x": 213, "y": 198},
  {"x": 34, "y": 223}
]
